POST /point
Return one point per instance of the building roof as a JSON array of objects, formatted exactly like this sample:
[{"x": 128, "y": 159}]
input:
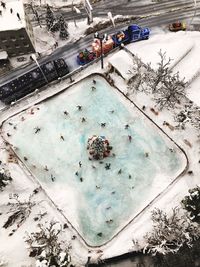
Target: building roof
[
  {"x": 124, "y": 64},
  {"x": 8, "y": 17},
  {"x": 3, "y": 55}
]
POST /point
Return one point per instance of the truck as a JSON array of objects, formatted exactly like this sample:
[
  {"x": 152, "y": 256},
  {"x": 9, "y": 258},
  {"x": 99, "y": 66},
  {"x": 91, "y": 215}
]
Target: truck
[{"x": 132, "y": 34}]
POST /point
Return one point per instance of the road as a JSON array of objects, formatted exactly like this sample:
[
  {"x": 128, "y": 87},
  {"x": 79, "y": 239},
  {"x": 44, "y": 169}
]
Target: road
[{"x": 162, "y": 17}]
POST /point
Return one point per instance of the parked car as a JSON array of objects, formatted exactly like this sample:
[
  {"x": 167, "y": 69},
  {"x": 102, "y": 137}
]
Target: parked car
[{"x": 177, "y": 26}]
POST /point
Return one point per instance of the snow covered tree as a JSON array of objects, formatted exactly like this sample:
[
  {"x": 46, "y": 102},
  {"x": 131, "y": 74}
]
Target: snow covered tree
[
  {"x": 162, "y": 71},
  {"x": 47, "y": 247},
  {"x": 4, "y": 178},
  {"x": 63, "y": 28},
  {"x": 50, "y": 19},
  {"x": 170, "y": 233},
  {"x": 192, "y": 204},
  {"x": 170, "y": 91}
]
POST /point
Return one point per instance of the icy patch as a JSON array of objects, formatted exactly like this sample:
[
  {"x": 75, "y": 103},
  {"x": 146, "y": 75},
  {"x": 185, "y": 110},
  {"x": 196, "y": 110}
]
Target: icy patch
[{"x": 51, "y": 140}]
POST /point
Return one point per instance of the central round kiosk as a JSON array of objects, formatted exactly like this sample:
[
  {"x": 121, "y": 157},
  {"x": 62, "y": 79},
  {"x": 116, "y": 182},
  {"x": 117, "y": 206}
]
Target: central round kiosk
[{"x": 98, "y": 147}]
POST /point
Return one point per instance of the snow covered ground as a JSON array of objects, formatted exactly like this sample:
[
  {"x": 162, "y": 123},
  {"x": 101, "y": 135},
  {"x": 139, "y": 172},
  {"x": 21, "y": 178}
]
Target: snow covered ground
[
  {"x": 184, "y": 56},
  {"x": 182, "y": 47}
]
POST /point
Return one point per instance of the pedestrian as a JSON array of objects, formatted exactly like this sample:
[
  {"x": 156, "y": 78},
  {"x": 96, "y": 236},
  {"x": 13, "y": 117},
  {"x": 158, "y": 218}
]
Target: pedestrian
[
  {"x": 18, "y": 16},
  {"x": 130, "y": 138},
  {"x": 3, "y": 4},
  {"x": 31, "y": 58},
  {"x": 11, "y": 10}
]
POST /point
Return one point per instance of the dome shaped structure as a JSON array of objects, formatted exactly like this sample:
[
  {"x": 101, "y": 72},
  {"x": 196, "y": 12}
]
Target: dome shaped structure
[{"x": 98, "y": 147}]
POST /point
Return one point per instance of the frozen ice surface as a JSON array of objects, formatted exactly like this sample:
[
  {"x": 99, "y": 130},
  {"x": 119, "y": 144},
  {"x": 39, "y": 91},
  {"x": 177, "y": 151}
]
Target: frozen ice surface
[{"x": 97, "y": 201}]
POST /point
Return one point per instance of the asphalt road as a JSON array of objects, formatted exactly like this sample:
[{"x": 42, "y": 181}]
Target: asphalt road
[{"x": 166, "y": 12}]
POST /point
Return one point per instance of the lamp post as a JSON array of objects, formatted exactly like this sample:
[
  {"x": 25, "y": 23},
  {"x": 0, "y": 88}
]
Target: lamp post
[
  {"x": 101, "y": 39},
  {"x": 195, "y": 5},
  {"x": 35, "y": 59}
]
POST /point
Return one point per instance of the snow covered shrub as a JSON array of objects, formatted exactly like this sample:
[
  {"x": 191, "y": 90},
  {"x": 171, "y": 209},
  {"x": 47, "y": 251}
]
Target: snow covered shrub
[
  {"x": 4, "y": 179},
  {"x": 192, "y": 204},
  {"x": 170, "y": 233},
  {"x": 20, "y": 210},
  {"x": 47, "y": 246},
  {"x": 3, "y": 262}
]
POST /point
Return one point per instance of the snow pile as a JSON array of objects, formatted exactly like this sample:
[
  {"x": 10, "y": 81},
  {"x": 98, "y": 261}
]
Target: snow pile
[
  {"x": 9, "y": 19},
  {"x": 172, "y": 44}
]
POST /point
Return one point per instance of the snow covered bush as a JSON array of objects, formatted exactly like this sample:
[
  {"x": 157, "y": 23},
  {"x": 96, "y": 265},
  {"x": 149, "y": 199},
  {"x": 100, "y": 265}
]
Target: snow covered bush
[
  {"x": 170, "y": 233},
  {"x": 192, "y": 204},
  {"x": 4, "y": 179},
  {"x": 19, "y": 209},
  {"x": 48, "y": 248},
  {"x": 3, "y": 262}
]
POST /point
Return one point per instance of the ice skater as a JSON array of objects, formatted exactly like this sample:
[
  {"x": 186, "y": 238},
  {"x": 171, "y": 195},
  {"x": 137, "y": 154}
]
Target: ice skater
[
  {"x": 94, "y": 81},
  {"x": 80, "y": 164},
  {"x": 79, "y": 107},
  {"x": 62, "y": 138},
  {"x": 120, "y": 171},
  {"x": 126, "y": 126},
  {"x": 46, "y": 168},
  {"x": 103, "y": 124},
  {"x": 83, "y": 120},
  {"x": 53, "y": 178},
  {"x": 37, "y": 130},
  {"x": 65, "y": 112}
]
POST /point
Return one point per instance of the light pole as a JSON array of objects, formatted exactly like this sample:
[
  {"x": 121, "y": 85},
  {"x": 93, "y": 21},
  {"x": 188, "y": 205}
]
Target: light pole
[
  {"x": 35, "y": 59},
  {"x": 101, "y": 39},
  {"x": 74, "y": 8},
  {"x": 195, "y": 5}
]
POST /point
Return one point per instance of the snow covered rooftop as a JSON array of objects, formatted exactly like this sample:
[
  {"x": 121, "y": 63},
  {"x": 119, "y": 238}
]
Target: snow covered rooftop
[
  {"x": 123, "y": 63},
  {"x": 9, "y": 19},
  {"x": 3, "y": 55}
]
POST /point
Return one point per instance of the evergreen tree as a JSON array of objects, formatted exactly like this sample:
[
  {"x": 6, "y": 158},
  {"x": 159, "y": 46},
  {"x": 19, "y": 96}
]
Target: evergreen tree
[
  {"x": 192, "y": 204},
  {"x": 63, "y": 28},
  {"x": 4, "y": 179},
  {"x": 49, "y": 18}
]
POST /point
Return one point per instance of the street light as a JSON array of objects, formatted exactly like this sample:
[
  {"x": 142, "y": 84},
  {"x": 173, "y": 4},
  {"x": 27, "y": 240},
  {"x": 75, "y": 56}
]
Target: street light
[
  {"x": 195, "y": 5},
  {"x": 102, "y": 38},
  {"x": 74, "y": 8},
  {"x": 35, "y": 59}
]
